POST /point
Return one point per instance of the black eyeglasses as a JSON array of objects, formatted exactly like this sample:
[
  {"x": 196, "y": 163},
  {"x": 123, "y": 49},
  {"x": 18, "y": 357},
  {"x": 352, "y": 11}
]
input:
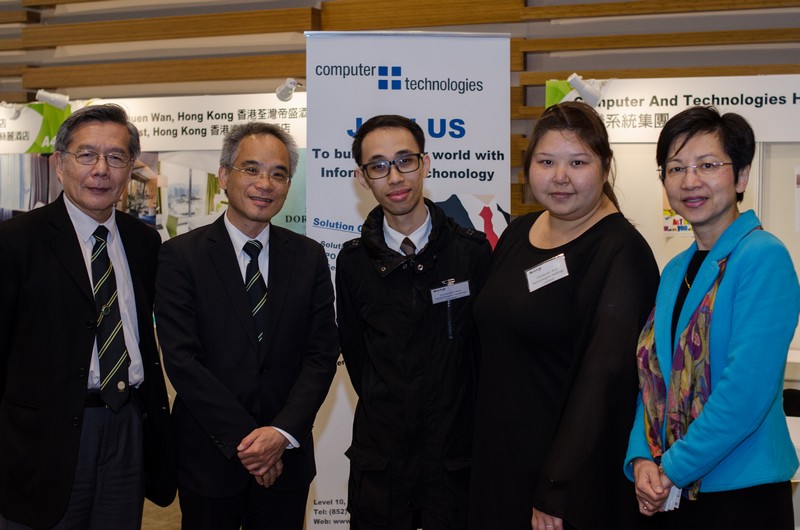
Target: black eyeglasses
[
  {"x": 378, "y": 169},
  {"x": 90, "y": 158}
]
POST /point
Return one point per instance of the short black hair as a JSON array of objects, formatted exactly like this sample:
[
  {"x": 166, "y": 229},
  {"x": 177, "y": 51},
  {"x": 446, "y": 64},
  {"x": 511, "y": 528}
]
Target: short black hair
[{"x": 387, "y": 121}]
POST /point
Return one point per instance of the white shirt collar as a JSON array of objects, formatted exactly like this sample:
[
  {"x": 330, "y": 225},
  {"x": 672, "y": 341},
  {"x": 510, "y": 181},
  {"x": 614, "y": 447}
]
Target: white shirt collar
[
  {"x": 238, "y": 238},
  {"x": 85, "y": 225},
  {"x": 419, "y": 237}
]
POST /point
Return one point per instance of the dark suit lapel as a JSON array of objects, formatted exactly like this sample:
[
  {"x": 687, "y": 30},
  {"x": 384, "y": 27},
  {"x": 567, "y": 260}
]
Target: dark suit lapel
[
  {"x": 65, "y": 245},
  {"x": 223, "y": 256},
  {"x": 280, "y": 280}
]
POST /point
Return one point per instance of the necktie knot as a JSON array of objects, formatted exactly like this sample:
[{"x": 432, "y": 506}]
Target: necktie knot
[
  {"x": 253, "y": 248},
  {"x": 407, "y": 247},
  {"x": 101, "y": 233}
]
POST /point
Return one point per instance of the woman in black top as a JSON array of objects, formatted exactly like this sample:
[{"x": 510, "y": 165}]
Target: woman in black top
[{"x": 568, "y": 292}]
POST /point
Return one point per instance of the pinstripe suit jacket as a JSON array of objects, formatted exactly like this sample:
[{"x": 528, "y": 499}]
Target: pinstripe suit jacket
[{"x": 227, "y": 382}]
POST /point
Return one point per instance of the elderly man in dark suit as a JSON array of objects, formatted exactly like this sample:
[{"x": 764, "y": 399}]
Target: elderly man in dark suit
[
  {"x": 244, "y": 313},
  {"x": 84, "y": 416}
]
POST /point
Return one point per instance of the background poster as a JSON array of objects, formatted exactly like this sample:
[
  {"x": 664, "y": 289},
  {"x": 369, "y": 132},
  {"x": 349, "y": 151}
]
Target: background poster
[
  {"x": 456, "y": 87},
  {"x": 181, "y": 142}
]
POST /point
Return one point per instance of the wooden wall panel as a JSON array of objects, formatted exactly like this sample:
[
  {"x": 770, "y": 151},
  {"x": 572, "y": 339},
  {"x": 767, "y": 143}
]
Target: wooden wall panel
[
  {"x": 394, "y": 14},
  {"x": 176, "y": 27},
  {"x": 647, "y": 7},
  {"x": 19, "y": 16},
  {"x": 539, "y": 78},
  {"x": 173, "y": 71},
  {"x": 51, "y": 3},
  {"x": 519, "y": 47},
  {"x": 17, "y": 96},
  {"x": 7, "y": 45},
  {"x": 519, "y": 109},
  {"x": 521, "y": 203}
]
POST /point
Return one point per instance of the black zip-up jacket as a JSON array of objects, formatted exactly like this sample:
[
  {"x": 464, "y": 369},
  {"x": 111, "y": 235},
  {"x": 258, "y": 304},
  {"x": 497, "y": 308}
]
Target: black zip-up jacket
[{"x": 412, "y": 363}]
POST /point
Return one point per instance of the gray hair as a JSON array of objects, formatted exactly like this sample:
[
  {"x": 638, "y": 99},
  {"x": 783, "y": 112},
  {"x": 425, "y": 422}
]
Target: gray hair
[
  {"x": 106, "y": 113},
  {"x": 237, "y": 133}
]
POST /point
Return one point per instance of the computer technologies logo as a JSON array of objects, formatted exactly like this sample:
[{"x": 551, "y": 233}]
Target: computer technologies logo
[{"x": 396, "y": 77}]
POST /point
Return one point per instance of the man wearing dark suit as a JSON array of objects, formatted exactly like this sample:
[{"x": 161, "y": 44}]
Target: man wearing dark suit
[
  {"x": 76, "y": 452},
  {"x": 251, "y": 371}
]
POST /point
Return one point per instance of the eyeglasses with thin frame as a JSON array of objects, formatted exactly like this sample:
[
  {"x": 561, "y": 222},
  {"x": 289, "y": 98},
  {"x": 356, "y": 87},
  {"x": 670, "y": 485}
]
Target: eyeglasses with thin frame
[
  {"x": 90, "y": 158},
  {"x": 705, "y": 169},
  {"x": 378, "y": 169},
  {"x": 276, "y": 176}
]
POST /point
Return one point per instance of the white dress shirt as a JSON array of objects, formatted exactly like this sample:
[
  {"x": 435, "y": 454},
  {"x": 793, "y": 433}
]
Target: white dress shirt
[
  {"x": 239, "y": 240},
  {"x": 84, "y": 228}
]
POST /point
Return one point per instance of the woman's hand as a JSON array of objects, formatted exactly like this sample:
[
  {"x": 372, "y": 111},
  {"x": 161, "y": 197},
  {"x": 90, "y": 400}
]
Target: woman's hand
[
  {"x": 542, "y": 521},
  {"x": 652, "y": 486}
]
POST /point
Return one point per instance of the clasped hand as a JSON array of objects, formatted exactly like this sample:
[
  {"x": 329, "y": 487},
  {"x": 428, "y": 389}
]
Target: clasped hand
[
  {"x": 260, "y": 453},
  {"x": 652, "y": 486}
]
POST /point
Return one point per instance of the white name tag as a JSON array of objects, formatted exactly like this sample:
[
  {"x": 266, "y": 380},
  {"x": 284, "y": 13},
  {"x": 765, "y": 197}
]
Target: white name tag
[
  {"x": 450, "y": 292},
  {"x": 546, "y": 272}
]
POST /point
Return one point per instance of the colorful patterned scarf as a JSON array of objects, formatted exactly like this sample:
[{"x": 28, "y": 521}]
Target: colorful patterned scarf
[{"x": 690, "y": 379}]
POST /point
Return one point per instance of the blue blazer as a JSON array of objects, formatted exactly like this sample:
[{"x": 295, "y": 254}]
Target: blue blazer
[{"x": 740, "y": 439}]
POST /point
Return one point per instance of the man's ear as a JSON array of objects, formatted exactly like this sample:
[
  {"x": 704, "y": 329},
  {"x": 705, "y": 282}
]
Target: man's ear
[{"x": 362, "y": 179}]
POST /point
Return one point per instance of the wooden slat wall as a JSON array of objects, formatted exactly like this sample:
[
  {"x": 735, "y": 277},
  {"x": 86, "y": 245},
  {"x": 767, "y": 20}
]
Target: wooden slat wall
[
  {"x": 519, "y": 47},
  {"x": 647, "y": 7},
  {"x": 353, "y": 15},
  {"x": 395, "y": 14},
  {"x": 174, "y": 71},
  {"x": 176, "y": 27},
  {"x": 51, "y": 3},
  {"x": 539, "y": 78},
  {"x": 18, "y": 16}
]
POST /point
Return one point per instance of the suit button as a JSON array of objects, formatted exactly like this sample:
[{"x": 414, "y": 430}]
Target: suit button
[
  {"x": 90, "y": 324},
  {"x": 420, "y": 267},
  {"x": 76, "y": 421},
  {"x": 263, "y": 370}
]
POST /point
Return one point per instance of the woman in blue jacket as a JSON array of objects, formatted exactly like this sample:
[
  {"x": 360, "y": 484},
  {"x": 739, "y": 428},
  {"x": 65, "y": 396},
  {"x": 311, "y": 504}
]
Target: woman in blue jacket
[{"x": 710, "y": 447}]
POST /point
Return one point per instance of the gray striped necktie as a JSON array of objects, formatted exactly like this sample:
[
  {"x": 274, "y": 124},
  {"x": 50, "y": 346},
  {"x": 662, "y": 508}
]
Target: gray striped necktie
[
  {"x": 111, "y": 350},
  {"x": 255, "y": 285}
]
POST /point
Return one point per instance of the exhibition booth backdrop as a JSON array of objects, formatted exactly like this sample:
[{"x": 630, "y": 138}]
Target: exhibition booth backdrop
[{"x": 457, "y": 88}]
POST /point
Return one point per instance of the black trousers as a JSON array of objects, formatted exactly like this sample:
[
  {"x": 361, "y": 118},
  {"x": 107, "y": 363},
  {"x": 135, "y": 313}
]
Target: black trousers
[{"x": 255, "y": 508}]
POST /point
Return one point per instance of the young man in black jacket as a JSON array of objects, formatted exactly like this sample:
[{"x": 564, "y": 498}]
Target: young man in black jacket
[{"x": 405, "y": 291}]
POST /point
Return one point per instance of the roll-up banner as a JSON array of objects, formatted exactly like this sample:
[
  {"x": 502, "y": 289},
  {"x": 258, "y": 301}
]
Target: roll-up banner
[{"x": 457, "y": 88}]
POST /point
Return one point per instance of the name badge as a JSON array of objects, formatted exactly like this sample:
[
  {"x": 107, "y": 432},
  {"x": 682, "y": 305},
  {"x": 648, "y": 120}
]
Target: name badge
[
  {"x": 450, "y": 292},
  {"x": 546, "y": 272}
]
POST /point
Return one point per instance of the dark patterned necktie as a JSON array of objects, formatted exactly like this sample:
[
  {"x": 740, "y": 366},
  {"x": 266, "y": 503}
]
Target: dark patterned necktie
[
  {"x": 111, "y": 350},
  {"x": 407, "y": 247},
  {"x": 255, "y": 285}
]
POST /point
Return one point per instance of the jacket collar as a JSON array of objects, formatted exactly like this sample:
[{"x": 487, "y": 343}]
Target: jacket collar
[{"x": 385, "y": 260}]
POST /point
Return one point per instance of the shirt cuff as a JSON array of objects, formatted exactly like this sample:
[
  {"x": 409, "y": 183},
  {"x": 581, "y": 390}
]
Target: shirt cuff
[{"x": 293, "y": 443}]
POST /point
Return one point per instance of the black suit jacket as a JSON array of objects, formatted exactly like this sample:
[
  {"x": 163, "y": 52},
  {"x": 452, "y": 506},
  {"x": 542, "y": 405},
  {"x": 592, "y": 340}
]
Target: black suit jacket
[
  {"x": 227, "y": 383},
  {"x": 47, "y": 321}
]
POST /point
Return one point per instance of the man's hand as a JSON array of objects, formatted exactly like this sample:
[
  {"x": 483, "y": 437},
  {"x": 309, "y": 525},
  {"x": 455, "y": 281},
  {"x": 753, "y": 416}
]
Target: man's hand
[
  {"x": 261, "y": 450},
  {"x": 272, "y": 474},
  {"x": 543, "y": 521}
]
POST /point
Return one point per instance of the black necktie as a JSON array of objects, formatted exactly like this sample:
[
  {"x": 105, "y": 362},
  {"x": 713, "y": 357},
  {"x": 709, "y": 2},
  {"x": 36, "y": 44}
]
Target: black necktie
[
  {"x": 111, "y": 350},
  {"x": 407, "y": 247},
  {"x": 255, "y": 285}
]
